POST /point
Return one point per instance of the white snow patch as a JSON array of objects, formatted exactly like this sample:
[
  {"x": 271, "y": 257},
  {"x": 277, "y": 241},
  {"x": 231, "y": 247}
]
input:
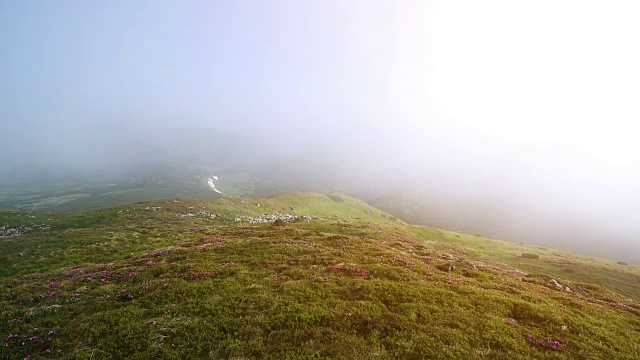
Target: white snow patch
[{"x": 212, "y": 185}]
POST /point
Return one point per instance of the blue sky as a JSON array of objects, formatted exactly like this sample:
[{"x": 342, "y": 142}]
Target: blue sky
[{"x": 206, "y": 63}]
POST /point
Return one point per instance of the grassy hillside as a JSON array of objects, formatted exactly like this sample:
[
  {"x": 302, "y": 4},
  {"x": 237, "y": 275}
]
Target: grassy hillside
[
  {"x": 146, "y": 184},
  {"x": 474, "y": 213},
  {"x": 331, "y": 278}
]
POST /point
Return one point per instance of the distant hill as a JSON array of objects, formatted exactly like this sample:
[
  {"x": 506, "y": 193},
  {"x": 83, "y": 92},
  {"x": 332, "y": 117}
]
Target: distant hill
[
  {"x": 147, "y": 183},
  {"x": 498, "y": 219},
  {"x": 298, "y": 275}
]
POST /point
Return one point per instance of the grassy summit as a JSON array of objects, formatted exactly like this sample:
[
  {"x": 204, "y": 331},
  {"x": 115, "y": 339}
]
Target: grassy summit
[{"x": 335, "y": 278}]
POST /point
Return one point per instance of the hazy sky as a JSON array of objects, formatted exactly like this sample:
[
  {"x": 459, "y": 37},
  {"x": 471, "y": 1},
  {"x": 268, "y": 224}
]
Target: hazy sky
[{"x": 530, "y": 100}]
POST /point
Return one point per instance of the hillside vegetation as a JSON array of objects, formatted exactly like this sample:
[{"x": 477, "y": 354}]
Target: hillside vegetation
[
  {"x": 297, "y": 276},
  {"x": 145, "y": 184},
  {"x": 510, "y": 220}
]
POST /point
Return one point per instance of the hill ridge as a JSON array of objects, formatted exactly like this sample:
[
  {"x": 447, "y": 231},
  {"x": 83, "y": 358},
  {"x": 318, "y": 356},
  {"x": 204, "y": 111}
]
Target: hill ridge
[{"x": 148, "y": 280}]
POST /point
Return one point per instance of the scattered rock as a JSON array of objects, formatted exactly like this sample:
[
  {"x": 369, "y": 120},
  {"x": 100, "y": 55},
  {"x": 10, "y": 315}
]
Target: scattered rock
[
  {"x": 270, "y": 218},
  {"x": 581, "y": 291},
  {"x": 445, "y": 267},
  {"x": 201, "y": 214},
  {"x": 447, "y": 256},
  {"x": 470, "y": 265},
  {"x": 553, "y": 283},
  {"x": 512, "y": 321},
  {"x": 9, "y": 231}
]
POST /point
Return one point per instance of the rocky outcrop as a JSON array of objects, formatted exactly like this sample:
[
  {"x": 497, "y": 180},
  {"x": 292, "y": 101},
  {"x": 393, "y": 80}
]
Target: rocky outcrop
[
  {"x": 271, "y": 218},
  {"x": 14, "y": 231}
]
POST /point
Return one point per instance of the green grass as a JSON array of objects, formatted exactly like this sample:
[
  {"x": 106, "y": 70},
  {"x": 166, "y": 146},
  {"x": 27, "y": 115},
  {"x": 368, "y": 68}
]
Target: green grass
[
  {"x": 144, "y": 185},
  {"x": 127, "y": 282},
  {"x": 573, "y": 267}
]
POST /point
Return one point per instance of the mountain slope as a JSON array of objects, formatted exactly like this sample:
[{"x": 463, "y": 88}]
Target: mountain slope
[
  {"x": 543, "y": 225},
  {"x": 334, "y": 278}
]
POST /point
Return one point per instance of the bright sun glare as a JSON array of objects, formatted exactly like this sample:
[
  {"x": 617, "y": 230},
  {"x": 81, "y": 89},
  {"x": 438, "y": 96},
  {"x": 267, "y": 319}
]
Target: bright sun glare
[{"x": 549, "y": 74}]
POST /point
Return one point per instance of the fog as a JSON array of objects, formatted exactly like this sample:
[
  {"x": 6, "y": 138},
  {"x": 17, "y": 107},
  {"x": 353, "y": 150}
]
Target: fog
[{"x": 509, "y": 119}]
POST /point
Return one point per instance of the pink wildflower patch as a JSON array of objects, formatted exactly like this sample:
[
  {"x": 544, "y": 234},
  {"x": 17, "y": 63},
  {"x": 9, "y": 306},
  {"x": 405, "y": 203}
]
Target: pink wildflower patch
[
  {"x": 129, "y": 275},
  {"x": 547, "y": 343},
  {"x": 363, "y": 274},
  {"x": 339, "y": 268}
]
